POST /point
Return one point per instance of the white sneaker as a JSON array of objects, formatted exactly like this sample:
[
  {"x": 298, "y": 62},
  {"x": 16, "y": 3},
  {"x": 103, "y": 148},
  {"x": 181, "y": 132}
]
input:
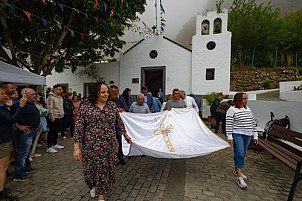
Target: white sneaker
[
  {"x": 51, "y": 150},
  {"x": 241, "y": 183},
  {"x": 58, "y": 147},
  {"x": 236, "y": 174},
  {"x": 92, "y": 192}
]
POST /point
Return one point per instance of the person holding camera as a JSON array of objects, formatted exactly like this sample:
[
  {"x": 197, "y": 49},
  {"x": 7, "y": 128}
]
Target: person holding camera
[
  {"x": 25, "y": 136},
  {"x": 6, "y": 136}
]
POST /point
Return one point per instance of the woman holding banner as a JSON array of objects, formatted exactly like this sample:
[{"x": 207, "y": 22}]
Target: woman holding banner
[
  {"x": 240, "y": 127},
  {"x": 97, "y": 122}
]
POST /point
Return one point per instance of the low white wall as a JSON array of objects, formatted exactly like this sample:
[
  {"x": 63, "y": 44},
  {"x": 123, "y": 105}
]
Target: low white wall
[
  {"x": 261, "y": 111},
  {"x": 292, "y": 95},
  {"x": 287, "y": 91},
  {"x": 288, "y": 86}
]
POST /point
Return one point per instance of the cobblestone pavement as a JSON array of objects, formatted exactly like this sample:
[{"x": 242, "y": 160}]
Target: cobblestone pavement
[{"x": 59, "y": 177}]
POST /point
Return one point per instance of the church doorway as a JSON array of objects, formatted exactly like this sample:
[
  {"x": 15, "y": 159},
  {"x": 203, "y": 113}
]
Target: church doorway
[{"x": 154, "y": 79}]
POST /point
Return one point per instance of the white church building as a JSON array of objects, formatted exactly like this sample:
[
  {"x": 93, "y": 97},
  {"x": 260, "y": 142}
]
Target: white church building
[{"x": 159, "y": 62}]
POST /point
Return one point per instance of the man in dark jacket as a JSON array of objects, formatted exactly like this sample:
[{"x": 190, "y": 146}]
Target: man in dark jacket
[
  {"x": 220, "y": 115},
  {"x": 121, "y": 104},
  {"x": 6, "y": 135},
  {"x": 68, "y": 115},
  {"x": 148, "y": 99},
  {"x": 25, "y": 136},
  {"x": 214, "y": 106}
]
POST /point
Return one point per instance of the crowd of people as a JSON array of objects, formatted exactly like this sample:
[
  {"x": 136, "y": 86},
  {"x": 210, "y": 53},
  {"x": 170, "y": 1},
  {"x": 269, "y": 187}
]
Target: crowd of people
[
  {"x": 95, "y": 122},
  {"x": 28, "y": 122}
]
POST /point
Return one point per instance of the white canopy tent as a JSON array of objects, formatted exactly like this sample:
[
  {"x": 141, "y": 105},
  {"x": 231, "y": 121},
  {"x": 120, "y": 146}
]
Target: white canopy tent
[{"x": 18, "y": 76}]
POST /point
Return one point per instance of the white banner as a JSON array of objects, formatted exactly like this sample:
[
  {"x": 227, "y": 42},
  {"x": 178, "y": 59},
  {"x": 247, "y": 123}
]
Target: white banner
[{"x": 178, "y": 133}]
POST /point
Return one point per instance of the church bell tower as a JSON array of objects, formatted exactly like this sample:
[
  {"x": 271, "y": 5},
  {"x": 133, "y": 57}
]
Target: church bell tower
[{"x": 211, "y": 54}]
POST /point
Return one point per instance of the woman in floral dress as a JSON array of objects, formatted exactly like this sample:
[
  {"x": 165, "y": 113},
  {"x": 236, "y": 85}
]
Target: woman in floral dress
[{"x": 95, "y": 129}]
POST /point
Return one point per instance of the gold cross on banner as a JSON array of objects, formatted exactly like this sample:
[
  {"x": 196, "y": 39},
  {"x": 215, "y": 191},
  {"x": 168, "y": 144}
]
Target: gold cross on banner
[{"x": 165, "y": 131}]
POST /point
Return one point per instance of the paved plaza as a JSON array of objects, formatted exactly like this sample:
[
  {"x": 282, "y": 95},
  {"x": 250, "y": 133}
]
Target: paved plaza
[{"x": 59, "y": 177}]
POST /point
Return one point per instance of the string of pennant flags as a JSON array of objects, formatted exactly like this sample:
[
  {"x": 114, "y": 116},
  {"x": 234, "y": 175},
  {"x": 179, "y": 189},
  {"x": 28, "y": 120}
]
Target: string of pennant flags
[
  {"x": 135, "y": 28},
  {"x": 29, "y": 64},
  {"x": 162, "y": 19},
  {"x": 145, "y": 31},
  {"x": 53, "y": 59}
]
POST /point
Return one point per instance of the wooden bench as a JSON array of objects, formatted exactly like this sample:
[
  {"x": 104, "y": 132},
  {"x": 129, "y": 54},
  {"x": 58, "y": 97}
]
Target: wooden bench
[{"x": 286, "y": 153}]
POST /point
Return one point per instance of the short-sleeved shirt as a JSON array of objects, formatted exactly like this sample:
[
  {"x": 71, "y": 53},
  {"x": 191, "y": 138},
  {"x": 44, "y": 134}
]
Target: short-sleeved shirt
[
  {"x": 136, "y": 108},
  {"x": 175, "y": 104}
]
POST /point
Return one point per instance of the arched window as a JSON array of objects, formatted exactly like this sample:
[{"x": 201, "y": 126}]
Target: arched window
[
  {"x": 217, "y": 26},
  {"x": 205, "y": 27}
]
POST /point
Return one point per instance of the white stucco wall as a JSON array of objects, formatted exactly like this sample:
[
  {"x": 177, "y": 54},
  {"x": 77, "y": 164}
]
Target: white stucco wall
[
  {"x": 176, "y": 59},
  {"x": 219, "y": 58},
  {"x": 109, "y": 71}
]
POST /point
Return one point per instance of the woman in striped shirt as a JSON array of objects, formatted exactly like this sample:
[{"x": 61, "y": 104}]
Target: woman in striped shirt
[{"x": 240, "y": 127}]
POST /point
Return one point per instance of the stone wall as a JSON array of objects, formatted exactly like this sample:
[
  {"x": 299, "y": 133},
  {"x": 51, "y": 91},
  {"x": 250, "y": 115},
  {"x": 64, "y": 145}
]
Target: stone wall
[{"x": 249, "y": 79}]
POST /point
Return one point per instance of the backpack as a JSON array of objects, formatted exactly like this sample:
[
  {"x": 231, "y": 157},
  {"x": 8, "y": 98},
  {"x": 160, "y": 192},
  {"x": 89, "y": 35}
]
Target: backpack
[{"x": 284, "y": 122}]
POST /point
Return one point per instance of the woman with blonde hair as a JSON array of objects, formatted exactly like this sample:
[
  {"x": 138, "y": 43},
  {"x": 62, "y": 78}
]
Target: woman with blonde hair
[{"x": 240, "y": 127}]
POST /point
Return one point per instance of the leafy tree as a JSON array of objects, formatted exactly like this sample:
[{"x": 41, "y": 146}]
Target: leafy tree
[
  {"x": 259, "y": 27},
  {"x": 252, "y": 24},
  {"x": 56, "y": 47}
]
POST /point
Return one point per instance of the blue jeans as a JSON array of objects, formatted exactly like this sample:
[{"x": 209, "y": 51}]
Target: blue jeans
[
  {"x": 24, "y": 143},
  {"x": 241, "y": 142}
]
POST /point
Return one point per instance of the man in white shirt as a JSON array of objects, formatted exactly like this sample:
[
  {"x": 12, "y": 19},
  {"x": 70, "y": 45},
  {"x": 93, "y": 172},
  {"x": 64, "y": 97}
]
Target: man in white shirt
[{"x": 190, "y": 101}]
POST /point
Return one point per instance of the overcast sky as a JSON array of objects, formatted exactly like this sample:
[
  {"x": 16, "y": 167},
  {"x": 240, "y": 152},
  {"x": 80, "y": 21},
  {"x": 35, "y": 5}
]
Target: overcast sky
[{"x": 181, "y": 17}]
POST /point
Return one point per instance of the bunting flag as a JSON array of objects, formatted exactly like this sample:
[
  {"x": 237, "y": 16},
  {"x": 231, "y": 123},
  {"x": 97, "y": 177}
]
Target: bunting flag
[
  {"x": 59, "y": 26},
  {"x": 76, "y": 10},
  {"x": 96, "y": 3},
  {"x": 178, "y": 133},
  {"x": 44, "y": 2},
  {"x": 61, "y": 5},
  {"x": 105, "y": 22},
  {"x": 96, "y": 19},
  {"x": 86, "y": 15},
  {"x": 72, "y": 32},
  {"x": 9, "y": 5},
  {"x": 57, "y": 61},
  {"x": 82, "y": 36},
  {"x": 44, "y": 21},
  {"x": 105, "y": 5},
  {"x": 161, "y": 7},
  {"x": 27, "y": 14},
  {"x": 112, "y": 11}
]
